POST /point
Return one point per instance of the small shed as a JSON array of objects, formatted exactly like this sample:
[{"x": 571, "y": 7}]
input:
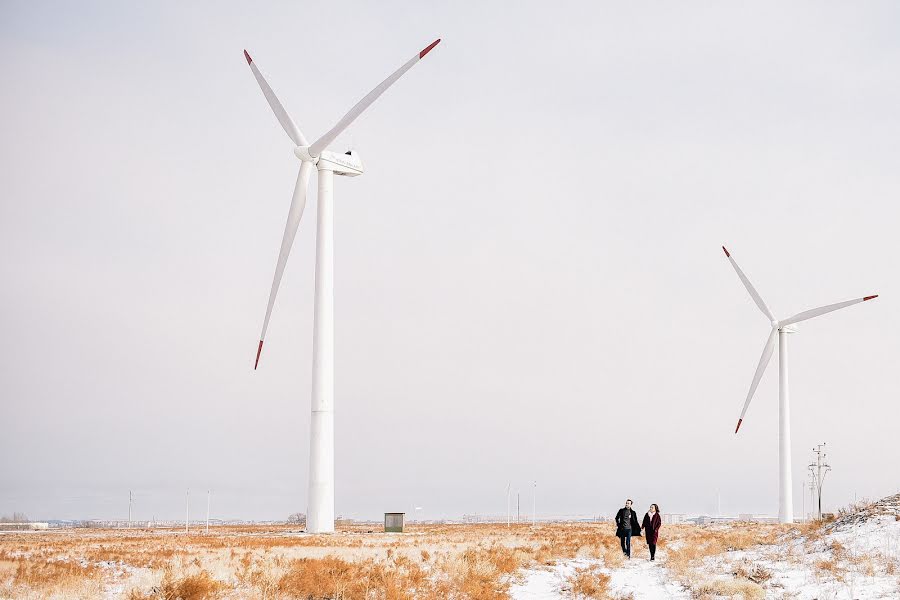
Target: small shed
[{"x": 393, "y": 522}]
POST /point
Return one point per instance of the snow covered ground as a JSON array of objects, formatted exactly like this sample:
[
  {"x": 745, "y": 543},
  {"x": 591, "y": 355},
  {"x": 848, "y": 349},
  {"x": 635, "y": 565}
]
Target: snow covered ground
[
  {"x": 856, "y": 557},
  {"x": 638, "y": 578}
]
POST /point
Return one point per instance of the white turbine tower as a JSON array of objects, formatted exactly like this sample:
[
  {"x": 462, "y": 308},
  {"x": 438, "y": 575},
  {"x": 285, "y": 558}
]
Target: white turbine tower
[
  {"x": 320, "y": 517},
  {"x": 782, "y": 328}
]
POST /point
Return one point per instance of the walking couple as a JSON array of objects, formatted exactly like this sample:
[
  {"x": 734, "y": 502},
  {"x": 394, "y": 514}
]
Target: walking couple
[{"x": 627, "y": 526}]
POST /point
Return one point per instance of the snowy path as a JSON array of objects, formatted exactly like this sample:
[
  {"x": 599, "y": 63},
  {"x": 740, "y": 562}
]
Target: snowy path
[
  {"x": 646, "y": 581},
  {"x": 547, "y": 583},
  {"x": 643, "y": 579}
]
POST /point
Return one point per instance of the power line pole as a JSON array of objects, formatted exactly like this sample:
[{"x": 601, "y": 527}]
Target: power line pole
[
  {"x": 208, "y": 496},
  {"x": 534, "y": 505},
  {"x": 812, "y": 495},
  {"x": 187, "y": 509},
  {"x": 508, "y": 486},
  {"x": 818, "y": 475},
  {"x": 518, "y": 505},
  {"x": 130, "y": 500}
]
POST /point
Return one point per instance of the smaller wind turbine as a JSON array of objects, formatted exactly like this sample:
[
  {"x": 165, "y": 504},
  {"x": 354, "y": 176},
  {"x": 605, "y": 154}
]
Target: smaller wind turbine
[{"x": 782, "y": 328}]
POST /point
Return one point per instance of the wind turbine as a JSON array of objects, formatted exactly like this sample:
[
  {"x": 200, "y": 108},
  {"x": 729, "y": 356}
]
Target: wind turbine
[
  {"x": 321, "y": 439},
  {"x": 782, "y": 328}
]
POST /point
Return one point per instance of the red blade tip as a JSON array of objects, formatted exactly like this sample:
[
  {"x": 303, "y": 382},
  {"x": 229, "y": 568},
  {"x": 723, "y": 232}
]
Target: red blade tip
[
  {"x": 870, "y": 297},
  {"x": 247, "y": 56},
  {"x": 428, "y": 49},
  {"x": 726, "y": 251},
  {"x": 258, "y": 352},
  {"x": 738, "y": 425}
]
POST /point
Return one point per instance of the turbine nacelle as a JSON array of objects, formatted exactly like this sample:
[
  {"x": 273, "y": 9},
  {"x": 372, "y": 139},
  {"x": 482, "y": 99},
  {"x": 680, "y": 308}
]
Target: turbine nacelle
[{"x": 347, "y": 164}]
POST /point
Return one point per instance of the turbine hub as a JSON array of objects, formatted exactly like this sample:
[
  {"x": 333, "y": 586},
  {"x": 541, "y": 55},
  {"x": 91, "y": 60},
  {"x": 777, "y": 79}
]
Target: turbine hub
[{"x": 302, "y": 152}]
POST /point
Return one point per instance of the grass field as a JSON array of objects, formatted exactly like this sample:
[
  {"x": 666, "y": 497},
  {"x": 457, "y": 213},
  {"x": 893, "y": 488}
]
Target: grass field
[{"x": 433, "y": 561}]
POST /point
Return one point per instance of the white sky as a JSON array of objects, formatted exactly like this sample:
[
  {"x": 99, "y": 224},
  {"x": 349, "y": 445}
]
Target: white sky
[{"x": 529, "y": 280}]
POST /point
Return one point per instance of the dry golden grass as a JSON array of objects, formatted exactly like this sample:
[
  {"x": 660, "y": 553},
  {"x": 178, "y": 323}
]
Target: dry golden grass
[
  {"x": 459, "y": 562},
  {"x": 436, "y": 561},
  {"x": 472, "y": 561},
  {"x": 197, "y": 586},
  {"x": 730, "y": 588},
  {"x": 589, "y": 583},
  {"x": 48, "y": 578}
]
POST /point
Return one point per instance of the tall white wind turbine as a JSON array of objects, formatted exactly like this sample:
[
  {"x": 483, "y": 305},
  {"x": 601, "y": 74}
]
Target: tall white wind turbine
[
  {"x": 782, "y": 328},
  {"x": 320, "y": 511}
]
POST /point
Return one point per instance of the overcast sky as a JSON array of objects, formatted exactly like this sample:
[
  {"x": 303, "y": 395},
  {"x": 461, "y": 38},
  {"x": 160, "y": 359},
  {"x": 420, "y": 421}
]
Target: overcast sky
[{"x": 529, "y": 281}]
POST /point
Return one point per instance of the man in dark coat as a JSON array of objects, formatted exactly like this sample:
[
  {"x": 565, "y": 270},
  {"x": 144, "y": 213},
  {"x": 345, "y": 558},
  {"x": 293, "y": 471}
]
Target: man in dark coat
[{"x": 626, "y": 526}]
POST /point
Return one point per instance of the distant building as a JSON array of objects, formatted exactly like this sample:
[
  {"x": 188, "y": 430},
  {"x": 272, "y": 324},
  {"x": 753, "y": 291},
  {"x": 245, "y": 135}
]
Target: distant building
[
  {"x": 673, "y": 518},
  {"x": 24, "y": 526}
]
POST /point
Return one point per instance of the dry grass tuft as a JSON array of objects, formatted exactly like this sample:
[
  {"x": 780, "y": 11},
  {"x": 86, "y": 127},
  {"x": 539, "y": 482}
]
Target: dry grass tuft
[
  {"x": 329, "y": 577},
  {"x": 589, "y": 583},
  {"x": 752, "y": 572},
  {"x": 731, "y": 588},
  {"x": 832, "y": 567},
  {"x": 198, "y": 586}
]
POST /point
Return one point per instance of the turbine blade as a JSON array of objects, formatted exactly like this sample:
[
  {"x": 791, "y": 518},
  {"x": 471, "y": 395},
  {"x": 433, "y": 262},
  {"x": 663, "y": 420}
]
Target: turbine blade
[
  {"x": 815, "y": 312},
  {"x": 298, "y": 203},
  {"x": 281, "y": 114},
  {"x": 323, "y": 142},
  {"x": 768, "y": 349},
  {"x": 753, "y": 293}
]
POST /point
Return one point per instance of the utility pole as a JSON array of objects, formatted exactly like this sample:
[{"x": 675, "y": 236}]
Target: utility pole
[
  {"x": 130, "y": 500},
  {"x": 508, "y": 485},
  {"x": 208, "y": 495},
  {"x": 518, "y": 505},
  {"x": 812, "y": 489},
  {"x": 818, "y": 475},
  {"x": 534, "y": 505},
  {"x": 187, "y": 509},
  {"x": 803, "y": 505}
]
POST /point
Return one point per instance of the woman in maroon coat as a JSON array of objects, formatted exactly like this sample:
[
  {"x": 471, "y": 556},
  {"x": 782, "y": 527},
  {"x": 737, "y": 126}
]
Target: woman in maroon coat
[{"x": 652, "y": 523}]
